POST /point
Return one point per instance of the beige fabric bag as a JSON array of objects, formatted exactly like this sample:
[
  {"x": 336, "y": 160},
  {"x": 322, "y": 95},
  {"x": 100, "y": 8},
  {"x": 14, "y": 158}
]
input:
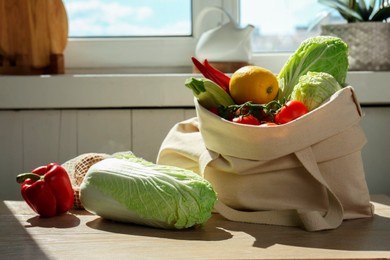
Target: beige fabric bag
[{"x": 306, "y": 173}]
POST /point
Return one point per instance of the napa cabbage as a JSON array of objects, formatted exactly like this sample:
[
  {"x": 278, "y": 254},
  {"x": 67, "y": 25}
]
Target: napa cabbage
[
  {"x": 130, "y": 189},
  {"x": 314, "y": 88},
  {"x": 317, "y": 54}
]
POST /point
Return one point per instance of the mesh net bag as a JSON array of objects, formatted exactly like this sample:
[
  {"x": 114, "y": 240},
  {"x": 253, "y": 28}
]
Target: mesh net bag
[{"x": 77, "y": 168}]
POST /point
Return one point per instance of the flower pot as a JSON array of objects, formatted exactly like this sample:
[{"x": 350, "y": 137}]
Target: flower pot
[{"x": 369, "y": 44}]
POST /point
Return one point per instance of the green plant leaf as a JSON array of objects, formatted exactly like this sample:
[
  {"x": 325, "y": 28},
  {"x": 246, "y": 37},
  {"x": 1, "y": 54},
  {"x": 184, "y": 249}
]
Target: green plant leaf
[
  {"x": 373, "y": 4},
  {"x": 382, "y": 14},
  {"x": 363, "y": 10},
  {"x": 343, "y": 8},
  {"x": 317, "y": 20}
]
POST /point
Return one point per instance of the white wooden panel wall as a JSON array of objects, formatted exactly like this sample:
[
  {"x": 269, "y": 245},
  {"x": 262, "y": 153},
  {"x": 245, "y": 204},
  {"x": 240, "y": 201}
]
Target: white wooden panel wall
[
  {"x": 150, "y": 127},
  {"x": 376, "y": 152},
  {"x": 40, "y": 137},
  {"x": 103, "y": 131},
  {"x": 30, "y": 138},
  {"x": 11, "y": 152}
]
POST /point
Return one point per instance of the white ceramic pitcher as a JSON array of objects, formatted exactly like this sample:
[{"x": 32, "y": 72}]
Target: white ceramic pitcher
[{"x": 225, "y": 43}]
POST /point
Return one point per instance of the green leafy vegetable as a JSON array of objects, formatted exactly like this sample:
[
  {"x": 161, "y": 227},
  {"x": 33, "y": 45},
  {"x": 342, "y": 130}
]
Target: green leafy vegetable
[
  {"x": 209, "y": 94},
  {"x": 130, "y": 189},
  {"x": 317, "y": 54},
  {"x": 313, "y": 88}
]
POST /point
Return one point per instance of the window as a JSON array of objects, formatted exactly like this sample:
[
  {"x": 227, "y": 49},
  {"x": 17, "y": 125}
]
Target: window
[
  {"x": 124, "y": 18},
  {"x": 122, "y": 33},
  {"x": 123, "y": 52},
  {"x": 281, "y": 25}
]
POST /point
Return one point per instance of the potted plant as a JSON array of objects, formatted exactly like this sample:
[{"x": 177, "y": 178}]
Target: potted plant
[{"x": 366, "y": 32}]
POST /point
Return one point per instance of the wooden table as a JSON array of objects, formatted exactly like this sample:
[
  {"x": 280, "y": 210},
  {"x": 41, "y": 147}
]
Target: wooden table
[{"x": 80, "y": 235}]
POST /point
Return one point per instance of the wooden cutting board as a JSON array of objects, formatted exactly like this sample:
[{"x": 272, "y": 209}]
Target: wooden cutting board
[
  {"x": 14, "y": 37},
  {"x": 33, "y": 30},
  {"x": 58, "y": 26}
]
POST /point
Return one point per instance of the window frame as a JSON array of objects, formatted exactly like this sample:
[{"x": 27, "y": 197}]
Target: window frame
[{"x": 118, "y": 52}]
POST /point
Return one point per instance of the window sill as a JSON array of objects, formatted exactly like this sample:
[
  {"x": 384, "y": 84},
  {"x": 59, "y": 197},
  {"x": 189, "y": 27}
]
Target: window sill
[{"x": 138, "y": 90}]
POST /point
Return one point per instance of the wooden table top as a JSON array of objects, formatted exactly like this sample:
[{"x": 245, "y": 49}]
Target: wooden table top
[{"x": 80, "y": 235}]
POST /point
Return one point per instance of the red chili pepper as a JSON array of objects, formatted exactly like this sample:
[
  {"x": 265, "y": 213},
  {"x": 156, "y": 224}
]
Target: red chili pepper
[
  {"x": 47, "y": 190},
  {"x": 212, "y": 73},
  {"x": 222, "y": 77},
  {"x": 201, "y": 68}
]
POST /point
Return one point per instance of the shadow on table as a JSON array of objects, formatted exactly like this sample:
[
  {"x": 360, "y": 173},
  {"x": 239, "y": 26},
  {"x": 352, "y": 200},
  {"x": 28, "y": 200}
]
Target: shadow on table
[
  {"x": 62, "y": 221},
  {"x": 355, "y": 235},
  {"x": 366, "y": 234},
  {"x": 207, "y": 232},
  {"x": 15, "y": 241}
]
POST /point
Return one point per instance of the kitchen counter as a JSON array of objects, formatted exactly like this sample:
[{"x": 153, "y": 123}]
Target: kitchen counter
[{"x": 80, "y": 235}]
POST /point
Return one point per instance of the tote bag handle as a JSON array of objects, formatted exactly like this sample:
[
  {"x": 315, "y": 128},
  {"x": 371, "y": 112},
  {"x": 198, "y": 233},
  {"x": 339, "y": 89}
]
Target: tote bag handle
[{"x": 311, "y": 220}]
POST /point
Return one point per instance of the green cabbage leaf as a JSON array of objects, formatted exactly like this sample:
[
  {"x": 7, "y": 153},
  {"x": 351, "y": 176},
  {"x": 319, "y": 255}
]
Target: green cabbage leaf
[
  {"x": 133, "y": 190},
  {"x": 314, "y": 88},
  {"x": 317, "y": 54}
]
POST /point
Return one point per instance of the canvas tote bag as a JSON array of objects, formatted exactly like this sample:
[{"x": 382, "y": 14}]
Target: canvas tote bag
[{"x": 306, "y": 173}]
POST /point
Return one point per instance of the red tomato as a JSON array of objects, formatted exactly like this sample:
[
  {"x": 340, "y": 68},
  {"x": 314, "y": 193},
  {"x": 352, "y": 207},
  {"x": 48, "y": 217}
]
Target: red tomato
[
  {"x": 290, "y": 111},
  {"x": 214, "y": 110},
  {"x": 247, "y": 120}
]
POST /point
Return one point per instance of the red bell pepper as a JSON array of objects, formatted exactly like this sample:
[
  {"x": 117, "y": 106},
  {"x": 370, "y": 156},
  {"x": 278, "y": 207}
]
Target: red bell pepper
[{"x": 47, "y": 190}]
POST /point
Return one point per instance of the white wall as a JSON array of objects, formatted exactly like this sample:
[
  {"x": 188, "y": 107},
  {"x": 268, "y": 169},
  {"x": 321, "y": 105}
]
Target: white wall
[
  {"x": 30, "y": 138},
  {"x": 376, "y": 153}
]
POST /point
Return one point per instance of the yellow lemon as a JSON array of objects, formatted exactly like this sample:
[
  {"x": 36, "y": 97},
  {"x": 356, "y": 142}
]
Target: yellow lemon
[{"x": 253, "y": 83}]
